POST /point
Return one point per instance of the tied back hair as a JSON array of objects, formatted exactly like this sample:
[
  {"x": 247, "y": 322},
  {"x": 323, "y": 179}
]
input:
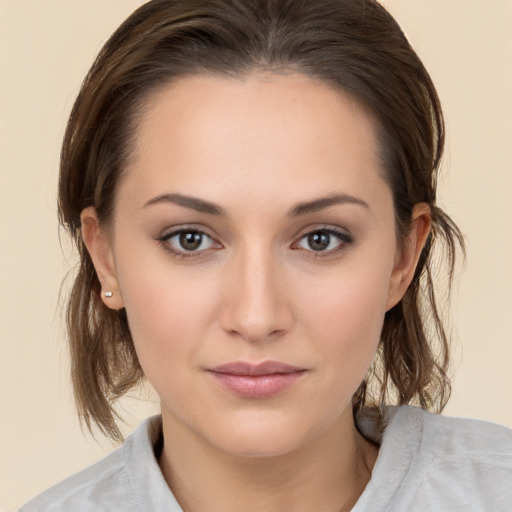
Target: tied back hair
[{"x": 356, "y": 47}]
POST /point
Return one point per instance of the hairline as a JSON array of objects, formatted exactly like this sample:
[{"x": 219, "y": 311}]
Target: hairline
[{"x": 142, "y": 104}]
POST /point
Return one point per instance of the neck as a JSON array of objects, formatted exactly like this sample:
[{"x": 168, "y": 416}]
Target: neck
[{"x": 327, "y": 474}]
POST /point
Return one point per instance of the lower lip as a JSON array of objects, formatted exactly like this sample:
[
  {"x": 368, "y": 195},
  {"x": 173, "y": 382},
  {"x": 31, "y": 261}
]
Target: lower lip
[{"x": 257, "y": 386}]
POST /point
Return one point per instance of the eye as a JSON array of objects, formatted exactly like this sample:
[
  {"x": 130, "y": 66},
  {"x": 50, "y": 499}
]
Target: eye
[
  {"x": 187, "y": 241},
  {"x": 324, "y": 240}
]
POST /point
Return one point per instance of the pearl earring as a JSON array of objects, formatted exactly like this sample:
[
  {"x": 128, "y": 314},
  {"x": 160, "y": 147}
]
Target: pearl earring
[{"x": 108, "y": 295}]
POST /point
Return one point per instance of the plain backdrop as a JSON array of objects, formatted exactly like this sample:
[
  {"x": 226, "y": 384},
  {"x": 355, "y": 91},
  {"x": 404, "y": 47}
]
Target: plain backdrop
[{"x": 46, "y": 47}]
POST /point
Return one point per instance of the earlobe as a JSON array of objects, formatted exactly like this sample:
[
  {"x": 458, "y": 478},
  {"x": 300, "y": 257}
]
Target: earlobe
[
  {"x": 98, "y": 245},
  {"x": 408, "y": 255}
]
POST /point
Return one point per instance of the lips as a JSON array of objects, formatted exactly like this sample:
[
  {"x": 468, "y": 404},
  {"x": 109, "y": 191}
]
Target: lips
[{"x": 256, "y": 380}]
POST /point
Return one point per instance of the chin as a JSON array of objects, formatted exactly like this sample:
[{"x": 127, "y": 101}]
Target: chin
[
  {"x": 264, "y": 437},
  {"x": 260, "y": 446}
]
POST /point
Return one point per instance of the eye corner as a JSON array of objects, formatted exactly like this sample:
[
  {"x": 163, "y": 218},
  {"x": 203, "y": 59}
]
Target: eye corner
[
  {"x": 323, "y": 241},
  {"x": 200, "y": 243}
]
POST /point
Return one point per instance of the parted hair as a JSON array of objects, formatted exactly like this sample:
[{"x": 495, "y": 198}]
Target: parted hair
[{"x": 354, "y": 46}]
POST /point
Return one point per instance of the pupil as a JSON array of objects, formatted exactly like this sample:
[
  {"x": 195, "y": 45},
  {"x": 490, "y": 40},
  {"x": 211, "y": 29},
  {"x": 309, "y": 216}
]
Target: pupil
[
  {"x": 190, "y": 241},
  {"x": 319, "y": 241}
]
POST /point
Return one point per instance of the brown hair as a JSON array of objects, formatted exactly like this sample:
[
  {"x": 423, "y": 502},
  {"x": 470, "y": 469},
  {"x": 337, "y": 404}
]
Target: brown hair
[{"x": 353, "y": 45}]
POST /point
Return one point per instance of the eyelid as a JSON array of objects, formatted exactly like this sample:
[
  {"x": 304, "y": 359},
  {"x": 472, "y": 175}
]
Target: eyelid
[
  {"x": 181, "y": 253},
  {"x": 344, "y": 237}
]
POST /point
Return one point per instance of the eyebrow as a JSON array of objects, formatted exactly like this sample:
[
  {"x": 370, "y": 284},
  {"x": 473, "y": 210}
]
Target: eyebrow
[
  {"x": 202, "y": 206},
  {"x": 192, "y": 203},
  {"x": 325, "y": 202}
]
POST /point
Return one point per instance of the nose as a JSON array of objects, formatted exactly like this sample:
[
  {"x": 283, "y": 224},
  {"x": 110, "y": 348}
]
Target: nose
[{"x": 257, "y": 306}]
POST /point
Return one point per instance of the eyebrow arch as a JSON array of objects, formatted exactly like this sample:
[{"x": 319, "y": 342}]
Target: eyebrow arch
[
  {"x": 202, "y": 206},
  {"x": 325, "y": 202},
  {"x": 192, "y": 203}
]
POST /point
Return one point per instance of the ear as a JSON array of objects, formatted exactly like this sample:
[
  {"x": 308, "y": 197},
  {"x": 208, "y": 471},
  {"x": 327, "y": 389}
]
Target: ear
[
  {"x": 408, "y": 255},
  {"x": 99, "y": 246}
]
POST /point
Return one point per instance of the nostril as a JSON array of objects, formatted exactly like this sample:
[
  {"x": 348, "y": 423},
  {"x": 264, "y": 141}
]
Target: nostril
[
  {"x": 254, "y": 306},
  {"x": 263, "y": 329}
]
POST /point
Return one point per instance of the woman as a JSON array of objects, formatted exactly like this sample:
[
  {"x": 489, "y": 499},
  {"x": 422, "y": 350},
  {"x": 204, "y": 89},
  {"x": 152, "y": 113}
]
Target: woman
[{"x": 252, "y": 189}]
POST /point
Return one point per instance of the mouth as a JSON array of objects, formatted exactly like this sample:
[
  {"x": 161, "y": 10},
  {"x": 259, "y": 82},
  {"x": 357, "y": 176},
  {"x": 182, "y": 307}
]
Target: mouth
[{"x": 256, "y": 380}]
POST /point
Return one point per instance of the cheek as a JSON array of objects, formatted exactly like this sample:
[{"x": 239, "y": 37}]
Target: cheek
[
  {"x": 345, "y": 315},
  {"x": 350, "y": 302},
  {"x": 168, "y": 312}
]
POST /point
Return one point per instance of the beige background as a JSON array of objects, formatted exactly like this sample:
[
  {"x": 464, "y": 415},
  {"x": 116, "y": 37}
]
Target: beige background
[{"x": 46, "y": 46}]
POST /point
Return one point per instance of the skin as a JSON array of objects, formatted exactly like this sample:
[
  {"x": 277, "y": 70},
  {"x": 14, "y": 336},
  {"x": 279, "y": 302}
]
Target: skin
[{"x": 255, "y": 289}]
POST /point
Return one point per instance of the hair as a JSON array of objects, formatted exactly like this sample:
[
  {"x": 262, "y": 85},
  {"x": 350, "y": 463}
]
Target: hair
[{"x": 354, "y": 46}]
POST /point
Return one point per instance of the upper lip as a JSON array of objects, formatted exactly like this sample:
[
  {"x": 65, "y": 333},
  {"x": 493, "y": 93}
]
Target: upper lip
[{"x": 264, "y": 368}]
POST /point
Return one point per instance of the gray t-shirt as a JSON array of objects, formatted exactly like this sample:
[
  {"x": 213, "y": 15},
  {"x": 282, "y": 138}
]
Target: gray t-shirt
[{"x": 426, "y": 462}]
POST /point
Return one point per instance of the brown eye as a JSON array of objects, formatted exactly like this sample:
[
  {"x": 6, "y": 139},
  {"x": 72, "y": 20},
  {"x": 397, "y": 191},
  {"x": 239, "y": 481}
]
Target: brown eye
[
  {"x": 191, "y": 240},
  {"x": 324, "y": 240},
  {"x": 187, "y": 241},
  {"x": 319, "y": 241}
]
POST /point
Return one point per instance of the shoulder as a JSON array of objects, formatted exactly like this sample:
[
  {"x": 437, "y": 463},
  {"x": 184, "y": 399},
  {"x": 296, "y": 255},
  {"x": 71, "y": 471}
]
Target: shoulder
[
  {"x": 444, "y": 438},
  {"x": 106, "y": 485},
  {"x": 80, "y": 490},
  {"x": 430, "y": 462},
  {"x": 455, "y": 462}
]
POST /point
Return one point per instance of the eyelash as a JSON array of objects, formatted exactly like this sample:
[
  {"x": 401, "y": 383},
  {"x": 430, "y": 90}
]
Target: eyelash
[
  {"x": 344, "y": 240},
  {"x": 183, "y": 253}
]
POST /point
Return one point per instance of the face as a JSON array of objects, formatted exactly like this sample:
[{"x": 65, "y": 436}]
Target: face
[{"x": 253, "y": 247}]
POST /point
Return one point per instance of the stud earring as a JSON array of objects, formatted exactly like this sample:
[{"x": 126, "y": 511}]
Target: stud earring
[{"x": 108, "y": 295}]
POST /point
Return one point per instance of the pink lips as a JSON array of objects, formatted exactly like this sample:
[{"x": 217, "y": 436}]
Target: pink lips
[{"x": 256, "y": 381}]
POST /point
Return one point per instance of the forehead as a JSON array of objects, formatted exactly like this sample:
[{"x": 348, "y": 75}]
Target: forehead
[{"x": 278, "y": 131}]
